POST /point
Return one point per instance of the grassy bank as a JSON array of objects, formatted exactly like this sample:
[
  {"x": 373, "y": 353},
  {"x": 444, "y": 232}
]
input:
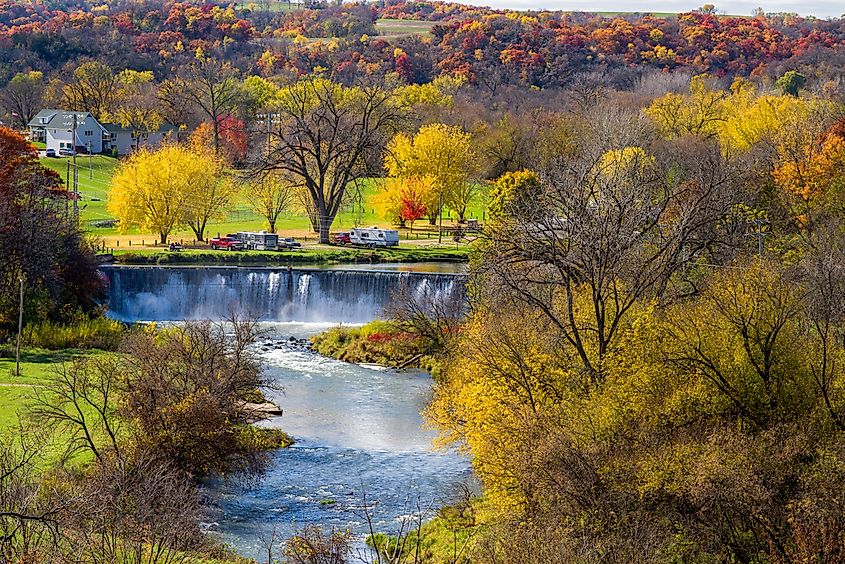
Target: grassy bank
[
  {"x": 309, "y": 255},
  {"x": 451, "y": 537},
  {"x": 377, "y": 342}
]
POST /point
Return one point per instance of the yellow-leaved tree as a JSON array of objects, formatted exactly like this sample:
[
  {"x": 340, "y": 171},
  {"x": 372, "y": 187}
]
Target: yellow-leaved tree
[
  {"x": 444, "y": 154},
  {"x": 272, "y": 195},
  {"x": 405, "y": 200},
  {"x": 167, "y": 188}
]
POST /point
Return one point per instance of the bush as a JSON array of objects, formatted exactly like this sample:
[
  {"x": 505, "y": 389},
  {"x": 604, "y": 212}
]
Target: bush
[{"x": 83, "y": 333}]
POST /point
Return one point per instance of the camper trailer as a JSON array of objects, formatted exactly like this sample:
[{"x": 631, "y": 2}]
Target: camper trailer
[
  {"x": 374, "y": 237},
  {"x": 259, "y": 241}
]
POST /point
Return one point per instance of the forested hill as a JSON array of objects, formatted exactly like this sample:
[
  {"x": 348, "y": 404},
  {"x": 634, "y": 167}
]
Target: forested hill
[{"x": 489, "y": 47}]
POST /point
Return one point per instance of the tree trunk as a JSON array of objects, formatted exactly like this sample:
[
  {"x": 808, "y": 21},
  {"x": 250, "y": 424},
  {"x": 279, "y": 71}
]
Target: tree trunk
[
  {"x": 272, "y": 224},
  {"x": 163, "y": 235},
  {"x": 325, "y": 226},
  {"x": 199, "y": 231}
]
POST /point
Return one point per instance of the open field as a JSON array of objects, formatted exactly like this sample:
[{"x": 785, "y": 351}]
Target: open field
[{"x": 398, "y": 28}]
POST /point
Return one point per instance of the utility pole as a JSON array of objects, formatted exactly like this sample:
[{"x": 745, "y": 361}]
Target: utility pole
[
  {"x": 760, "y": 234},
  {"x": 440, "y": 229},
  {"x": 269, "y": 147},
  {"x": 75, "y": 170},
  {"x": 90, "y": 163},
  {"x": 20, "y": 331}
]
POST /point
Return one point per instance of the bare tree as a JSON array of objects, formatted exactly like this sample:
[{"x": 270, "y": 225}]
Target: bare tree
[
  {"x": 313, "y": 546},
  {"x": 22, "y": 97},
  {"x": 212, "y": 85},
  {"x": 324, "y": 136},
  {"x": 30, "y": 512},
  {"x": 614, "y": 223},
  {"x": 142, "y": 511},
  {"x": 428, "y": 313},
  {"x": 80, "y": 402}
]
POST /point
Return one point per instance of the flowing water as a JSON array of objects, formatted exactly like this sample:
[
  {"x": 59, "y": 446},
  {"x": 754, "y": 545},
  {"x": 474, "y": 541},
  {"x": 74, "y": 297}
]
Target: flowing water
[
  {"x": 270, "y": 294},
  {"x": 358, "y": 429}
]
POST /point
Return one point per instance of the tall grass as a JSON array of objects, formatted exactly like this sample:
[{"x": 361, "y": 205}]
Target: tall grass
[{"x": 84, "y": 333}]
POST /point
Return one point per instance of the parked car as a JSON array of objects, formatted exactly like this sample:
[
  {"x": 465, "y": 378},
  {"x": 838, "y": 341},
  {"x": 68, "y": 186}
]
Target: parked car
[
  {"x": 289, "y": 243},
  {"x": 342, "y": 238},
  {"x": 50, "y": 153},
  {"x": 226, "y": 244},
  {"x": 66, "y": 152}
]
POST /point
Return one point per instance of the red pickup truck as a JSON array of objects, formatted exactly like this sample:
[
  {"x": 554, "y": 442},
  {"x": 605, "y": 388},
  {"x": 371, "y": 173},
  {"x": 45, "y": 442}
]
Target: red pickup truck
[{"x": 226, "y": 244}]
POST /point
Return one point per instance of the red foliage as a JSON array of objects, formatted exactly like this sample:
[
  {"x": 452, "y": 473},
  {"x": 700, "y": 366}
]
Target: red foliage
[{"x": 20, "y": 170}]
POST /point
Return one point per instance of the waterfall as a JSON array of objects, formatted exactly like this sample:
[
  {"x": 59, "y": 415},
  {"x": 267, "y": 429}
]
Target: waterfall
[{"x": 140, "y": 293}]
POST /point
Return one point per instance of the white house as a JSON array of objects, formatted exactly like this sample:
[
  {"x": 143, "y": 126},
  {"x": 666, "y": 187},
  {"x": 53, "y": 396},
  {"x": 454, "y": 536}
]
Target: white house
[
  {"x": 55, "y": 129},
  {"x": 124, "y": 140}
]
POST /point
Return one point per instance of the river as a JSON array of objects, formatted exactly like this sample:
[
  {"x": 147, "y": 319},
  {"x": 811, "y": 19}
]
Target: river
[{"x": 358, "y": 429}]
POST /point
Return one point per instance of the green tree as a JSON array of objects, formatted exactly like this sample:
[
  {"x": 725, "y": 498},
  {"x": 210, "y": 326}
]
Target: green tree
[{"x": 791, "y": 83}]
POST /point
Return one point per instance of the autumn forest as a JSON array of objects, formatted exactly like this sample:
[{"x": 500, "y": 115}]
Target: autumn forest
[{"x": 646, "y": 358}]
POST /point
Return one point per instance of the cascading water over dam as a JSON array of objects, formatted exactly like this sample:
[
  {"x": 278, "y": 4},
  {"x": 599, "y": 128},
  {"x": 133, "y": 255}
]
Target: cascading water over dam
[{"x": 271, "y": 294}]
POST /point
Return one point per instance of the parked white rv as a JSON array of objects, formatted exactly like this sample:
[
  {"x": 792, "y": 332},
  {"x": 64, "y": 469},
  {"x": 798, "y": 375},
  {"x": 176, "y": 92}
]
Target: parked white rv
[
  {"x": 374, "y": 237},
  {"x": 259, "y": 241}
]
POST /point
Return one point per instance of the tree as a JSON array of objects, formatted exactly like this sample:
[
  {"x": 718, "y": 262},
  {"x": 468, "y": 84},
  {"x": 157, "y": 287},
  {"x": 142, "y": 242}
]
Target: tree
[
  {"x": 445, "y": 155},
  {"x": 41, "y": 241},
  {"x": 209, "y": 192},
  {"x": 30, "y": 511},
  {"x": 93, "y": 87},
  {"x": 232, "y": 138},
  {"x": 791, "y": 82},
  {"x": 138, "y": 107},
  {"x": 172, "y": 186},
  {"x": 22, "y": 97},
  {"x": 513, "y": 193},
  {"x": 405, "y": 199},
  {"x": 212, "y": 85},
  {"x": 325, "y": 135},
  {"x": 549, "y": 250},
  {"x": 271, "y": 196}
]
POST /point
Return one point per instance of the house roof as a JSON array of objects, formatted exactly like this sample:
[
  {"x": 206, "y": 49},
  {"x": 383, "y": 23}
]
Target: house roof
[{"x": 60, "y": 119}]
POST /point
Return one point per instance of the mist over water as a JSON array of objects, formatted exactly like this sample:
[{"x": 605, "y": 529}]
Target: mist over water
[{"x": 358, "y": 429}]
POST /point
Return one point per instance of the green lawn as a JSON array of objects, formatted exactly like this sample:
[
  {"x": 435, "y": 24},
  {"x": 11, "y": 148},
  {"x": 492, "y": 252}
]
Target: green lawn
[
  {"x": 94, "y": 176},
  {"x": 16, "y": 392},
  {"x": 308, "y": 255}
]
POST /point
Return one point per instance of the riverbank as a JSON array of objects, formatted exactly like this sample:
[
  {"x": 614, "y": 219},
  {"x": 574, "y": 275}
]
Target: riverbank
[
  {"x": 377, "y": 342},
  {"x": 308, "y": 255}
]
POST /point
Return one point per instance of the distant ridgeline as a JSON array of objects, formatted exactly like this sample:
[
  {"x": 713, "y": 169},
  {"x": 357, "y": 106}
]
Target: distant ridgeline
[{"x": 540, "y": 49}]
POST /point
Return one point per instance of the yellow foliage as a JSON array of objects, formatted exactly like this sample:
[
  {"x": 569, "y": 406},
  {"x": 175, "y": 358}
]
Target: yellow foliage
[
  {"x": 163, "y": 189},
  {"x": 442, "y": 153}
]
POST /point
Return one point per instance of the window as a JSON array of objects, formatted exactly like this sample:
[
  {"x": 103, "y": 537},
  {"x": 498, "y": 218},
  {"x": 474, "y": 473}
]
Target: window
[{"x": 89, "y": 133}]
